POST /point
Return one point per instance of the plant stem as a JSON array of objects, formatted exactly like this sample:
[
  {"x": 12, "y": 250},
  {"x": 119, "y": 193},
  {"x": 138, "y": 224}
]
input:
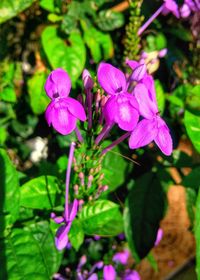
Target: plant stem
[
  {"x": 69, "y": 166},
  {"x": 115, "y": 143},
  {"x": 78, "y": 135}
]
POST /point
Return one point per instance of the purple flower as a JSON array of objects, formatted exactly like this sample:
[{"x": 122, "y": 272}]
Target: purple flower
[
  {"x": 121, "y": 257},
  {"x": 152, "y": 127},
  {"x": 121, "y": 107},
  {"x": 109, "y": 272},
  {"x": 131, "y": 275},
  {"x": 170, "y": 6},
  {"x": 61, "y": 239},
  {"x": 139, "y": 70},
  {"x": 63, "y": 111}
]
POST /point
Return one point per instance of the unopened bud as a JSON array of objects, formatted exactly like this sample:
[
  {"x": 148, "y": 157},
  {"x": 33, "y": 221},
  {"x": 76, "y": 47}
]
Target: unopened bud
[
  {"x": 139, "y": 72},
  {"x": 162, "y": 53},
  {"x": 185, "y": 11},
  {"x": 87, "y": 80}
]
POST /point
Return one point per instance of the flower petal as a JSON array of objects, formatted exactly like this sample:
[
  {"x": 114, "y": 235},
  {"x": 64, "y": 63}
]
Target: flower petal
[
  {"x": 139, "y": 72},
  {"x": 147, "y": 107},
  {"x": 111, "y": 79},
  {"x": 75, "y": 108},
  {"x": 132, "y": 63},
  {"x": 148, "y": 81},
  {"x": 171, "y": 6},
  {"x": 109, "y": 272},
  {"x": 61, "y": 238},
  {"x": 110, "y": 110},
  {"x": 49, "y": 112},
  {"x": 93, "y": 277},
  {"x": 143, "y": 134},
  {"x": 127, "y": 115},
  {"x": 58, "y": 83},
  {"x": 163, "y": 138},
  {"x": 62, "y": 120},
  {"x": 73, "y": 208}
]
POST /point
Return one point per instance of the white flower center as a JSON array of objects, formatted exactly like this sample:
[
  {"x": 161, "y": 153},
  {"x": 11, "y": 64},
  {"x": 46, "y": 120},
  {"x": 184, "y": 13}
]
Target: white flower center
[{"x": 125, "y": 113}]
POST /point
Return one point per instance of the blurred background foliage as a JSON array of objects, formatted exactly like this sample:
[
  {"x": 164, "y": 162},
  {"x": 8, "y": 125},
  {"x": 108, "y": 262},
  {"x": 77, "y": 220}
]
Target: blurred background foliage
[{"x": 38, "y": 36}]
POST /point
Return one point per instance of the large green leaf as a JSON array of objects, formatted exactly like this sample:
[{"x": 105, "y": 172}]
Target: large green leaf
[
  {"x": 10, "y": 8},
  {"x": 76, "y": 234},
  {"x": 101, "y": 218},
  {"x": 68, "y": 54},
  {"x": 99, "y": 43},
  {"x": 197, "y": 234},
  {"x": 143, "y": 212},
  {"x": 29, "y": 253},
  {"x": 38, "y": 98},
  {"x": 9, "y": 192},
  {"x": 40, "y": 193},
  {"x": 192, "y": 124},
  {"x": 115, "y": 168}
]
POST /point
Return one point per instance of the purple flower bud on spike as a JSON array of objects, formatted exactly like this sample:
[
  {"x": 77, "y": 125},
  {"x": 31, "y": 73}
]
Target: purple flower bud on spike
[
  {"x": 139, "y": 72},
  {"x": 109, "y": 272},
  {"x": 93, "y": 277},
  {"x": 87, "y": 80},
  {"x": 121, "y": 257},
  {"x": 185, "y": 11},
  {"x": 63, "y": 111},
  {"x": 162, "y": 53},
  {"x": 159, "y": 237}
]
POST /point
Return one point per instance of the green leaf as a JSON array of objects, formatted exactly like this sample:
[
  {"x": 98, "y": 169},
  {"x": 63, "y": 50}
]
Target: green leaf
[
  {"x": 9, "y": 8},
  {"x": 115, "y": 168},
  {"x": 39, "y": 193},
  {"x": 190, "y": 204},
  {"x": 152, "y": 261},
  {"x": 143, "y": 212},
  {"x": 9, "y": 192},
  {"x": 109, "y": 20},
  {"x": 99, "y": 43},
  {"x": 197, "y": 235},
  {"x": 38, "y": 98},
  {"x": 76, "y": 234},
  {"x": 192, "y": 124},
  {"x": 3, "y": 135},
  {"x": 192, "y": 180},
  {"x": 69, "y": 55},
  {"x": 160, "y": 96},
  {"x": 8, "y": 94},
  {"x": 29, "y": 253},
  {"x": 193, "y": 99},
  {"x": 101, "y": 218},
  {"x": 48, "y": 5}
]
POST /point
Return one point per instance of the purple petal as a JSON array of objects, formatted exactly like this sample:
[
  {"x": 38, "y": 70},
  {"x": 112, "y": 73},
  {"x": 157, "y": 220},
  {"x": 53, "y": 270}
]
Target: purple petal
[
  {"x": 87, "y": 80},
  {"x": 139, "y": 72},
  {"x": 73, "y": 210},
  {"x": 159, "y": 237},
  {"x": 111, "y": 79},
  {"x": 185, "y": 11},
  {"x": 143, "y": 134},
  {"x": 49, "y": 112},
  {"x": 121, "y": 257},
  {"x": 61, "y": 238},
  {"x": 148, "y": 81},
  {"x": 75, "y": 108},
  {"x": 163, "y": 138},
  {"x": 93, "y": 277},
  {"x": 171, "y": 6},
  {"x": 132, "y": 64},
  {"x": 147, "y": 107},
  {"x": 58, "y": 82},
  {"x": 127, "y": 115},
  {"x": 109, "y": 272},
  {"x": 62, "y": 120},
  {"x": 110, "y": 110},
  {"x": 131, "y": 275}
]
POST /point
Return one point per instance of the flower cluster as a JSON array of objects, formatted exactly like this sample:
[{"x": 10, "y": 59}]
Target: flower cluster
[{"x": 170, "y": 6}]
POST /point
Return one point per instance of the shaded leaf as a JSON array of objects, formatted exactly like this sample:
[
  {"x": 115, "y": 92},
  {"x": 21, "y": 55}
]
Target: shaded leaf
[
  {"x": 109, "y": 20},
  {"x": 197, "y": 234},
  {"x": 9, "y": 192},
  {"x": 76, "y": 234},
  {"x": 143, "y": 212}
]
